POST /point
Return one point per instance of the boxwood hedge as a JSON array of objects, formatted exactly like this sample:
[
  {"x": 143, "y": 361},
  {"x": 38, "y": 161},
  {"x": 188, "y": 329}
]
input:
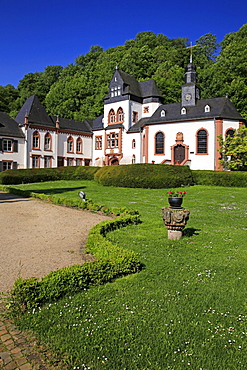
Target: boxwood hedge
[
  {"x": 26, "y": 176},
  {"x": 146, "y": 175},
  {"x": 220, "y": 178}
]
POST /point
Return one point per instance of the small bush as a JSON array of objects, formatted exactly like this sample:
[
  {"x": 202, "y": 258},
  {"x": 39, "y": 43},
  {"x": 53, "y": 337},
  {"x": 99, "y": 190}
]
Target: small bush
[
  {"x": 220, "y": 178},
  {"x": 111, "y": 263},
  {"x": 144, "y": 176},
  {"x": 27, "y": 176}
]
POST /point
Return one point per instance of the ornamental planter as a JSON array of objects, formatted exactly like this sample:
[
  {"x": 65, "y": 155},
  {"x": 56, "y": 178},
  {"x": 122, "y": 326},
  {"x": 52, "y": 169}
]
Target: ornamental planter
[{"x": 175, "y": 202}]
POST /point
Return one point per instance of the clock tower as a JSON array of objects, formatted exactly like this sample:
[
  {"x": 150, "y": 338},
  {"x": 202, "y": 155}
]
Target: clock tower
[{"x": 190, "y": 90}]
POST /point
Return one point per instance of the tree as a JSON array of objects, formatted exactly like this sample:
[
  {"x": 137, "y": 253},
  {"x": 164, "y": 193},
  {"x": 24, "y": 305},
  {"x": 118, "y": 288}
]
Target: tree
[
  {"x": 8, "y": 96},
  {"x": 234, "y": 150},
  {"x": 228, "y": 75}
]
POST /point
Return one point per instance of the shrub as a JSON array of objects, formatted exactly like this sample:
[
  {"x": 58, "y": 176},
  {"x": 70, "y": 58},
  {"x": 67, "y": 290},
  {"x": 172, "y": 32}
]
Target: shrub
[
  {"x": 112, "y": 262},
  {"x": 47, "y": 174},
  {"x": 220, "y": 178},
  {"x": 144, "y": 176}
]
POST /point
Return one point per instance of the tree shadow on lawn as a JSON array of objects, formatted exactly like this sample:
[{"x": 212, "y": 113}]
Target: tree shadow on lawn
[{"x": 190, "y": 231}]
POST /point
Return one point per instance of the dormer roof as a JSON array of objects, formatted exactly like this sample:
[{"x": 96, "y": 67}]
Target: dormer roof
[{"x": 131, "y": 87}]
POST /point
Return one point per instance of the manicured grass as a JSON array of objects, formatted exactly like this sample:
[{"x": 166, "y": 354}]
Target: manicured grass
[{"x": 186, "y": 309}]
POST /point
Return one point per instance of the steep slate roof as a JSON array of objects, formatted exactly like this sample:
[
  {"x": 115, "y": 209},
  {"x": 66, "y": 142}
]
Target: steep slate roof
[
  {"x": 9, "y": 127},
  {"x": 36, "y": 113},
  {"x": 72, "y": 125},
  {"x": 141, "y": 89},
  {"x": 97, "y": 123},
  {"x": 219, "y": 108}
]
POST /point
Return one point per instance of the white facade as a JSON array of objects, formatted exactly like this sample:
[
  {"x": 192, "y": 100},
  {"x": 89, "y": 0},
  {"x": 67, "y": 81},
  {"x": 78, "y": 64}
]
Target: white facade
[{"x": 136, "y": 127}]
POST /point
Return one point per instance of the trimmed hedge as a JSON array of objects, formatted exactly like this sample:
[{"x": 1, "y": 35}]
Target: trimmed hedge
[
  {"x": 152, "y": 176},
  {"x": 28, "y": 176},
  {"x": 220, "y": 178},
  {"x": 112, "y": 262}
]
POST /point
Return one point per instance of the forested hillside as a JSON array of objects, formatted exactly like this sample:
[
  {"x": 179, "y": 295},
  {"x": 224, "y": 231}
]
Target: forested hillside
[{"x": 77, "y": 90}]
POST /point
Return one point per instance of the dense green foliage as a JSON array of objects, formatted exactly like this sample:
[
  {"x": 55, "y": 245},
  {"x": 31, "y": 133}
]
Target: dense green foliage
[
  {"x": 47, "y": 174},
  {"x": 76, "y": 91},
  {"x": 234, "y": 150},
  {"x": 221, "y": 178},
  {"x": 186, "y": 309},
  {"x": 152, "y": 176},
  {"x": 147, "y": 176}
]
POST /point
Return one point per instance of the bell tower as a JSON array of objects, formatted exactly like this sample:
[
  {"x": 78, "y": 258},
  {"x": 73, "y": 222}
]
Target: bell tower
[{"x": 190, "y": 90}]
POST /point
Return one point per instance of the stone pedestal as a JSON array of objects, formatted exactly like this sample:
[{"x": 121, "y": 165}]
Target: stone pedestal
[{"x": 175, "y": 220}]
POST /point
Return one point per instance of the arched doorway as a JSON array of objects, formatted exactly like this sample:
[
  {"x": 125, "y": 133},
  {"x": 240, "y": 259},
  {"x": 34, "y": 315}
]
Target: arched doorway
[{"x": 114, "y": 161}]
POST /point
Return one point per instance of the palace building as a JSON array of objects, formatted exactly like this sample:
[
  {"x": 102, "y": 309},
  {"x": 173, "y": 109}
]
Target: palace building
[{"x": 136, "y": 127}]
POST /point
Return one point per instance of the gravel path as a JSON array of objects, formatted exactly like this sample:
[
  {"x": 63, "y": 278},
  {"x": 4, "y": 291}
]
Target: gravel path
[{"x": 37, "y": 237}]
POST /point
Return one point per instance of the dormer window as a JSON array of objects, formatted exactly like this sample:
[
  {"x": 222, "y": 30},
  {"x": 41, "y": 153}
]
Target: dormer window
[
  {"x": 146, "y": 110},
  {"x": 183, "y": 111},
  {"x": 207, "y": 108},
  {"x": 162, "y": 113},
  {"x": 115, "y": 91}
]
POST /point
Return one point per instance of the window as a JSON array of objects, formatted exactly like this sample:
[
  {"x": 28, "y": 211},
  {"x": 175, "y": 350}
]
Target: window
[
  {"x": 133, "y": 144},
  {"x": 207, "y": 108},
  {"x": 7, "y": 145},
  {"x": 183, "y": 110},
  {"x": 202, "y": 142},
  {"x": 120, "y": 115},
  {"x": 230, "y": 132},
  {"x": 134, "y": 117},
  {"x": 162, "y": 113},
  {"x": 47, "y": 162},
  {"x": 70, "y": 162},
  {"x": 70, "y": 145},
  {"x": 115, "y": 91},
  {"x": 112, "y": 140},
  {"x": 35, "y": 161},
  {"x": 111, "y": 117},
  {"x": 159, "y": 143},
  {"x": 146, "y": 110},
  {"x": 79, "y": 145},
  {"x": 133, "y": 159},
  {"x": 36, "y": 139},
  {"x": 7, "y": 165},
  {"x": 78, "y": 162},
  {"x": 47, "y": 141},
  {"x": 98, "y": 142}
]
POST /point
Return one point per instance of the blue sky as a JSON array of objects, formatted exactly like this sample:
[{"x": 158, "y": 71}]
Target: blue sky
[{"x": 38, "y": 33}]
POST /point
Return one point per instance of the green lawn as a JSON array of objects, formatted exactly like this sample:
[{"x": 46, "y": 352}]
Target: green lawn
[{"x": 186, "y": 309}]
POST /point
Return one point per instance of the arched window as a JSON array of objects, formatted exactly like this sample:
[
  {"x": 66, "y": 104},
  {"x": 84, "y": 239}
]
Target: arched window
[
  {"x": 202, "y": 142},
  {"x": 133, "y": 159},
  {"x": 79, "y": 145},
  {"x": 47, "y": 141},
  {"x": 159, "y": 143},
  {"x": 230, "y": 132},
  {"x": 36, "y": 140},
  {"x": 133, "y": 144},
  {"x": 120, "y": 115},
  {"x": 70, "y": 145},
  {"x": 111, "y": 116}
]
